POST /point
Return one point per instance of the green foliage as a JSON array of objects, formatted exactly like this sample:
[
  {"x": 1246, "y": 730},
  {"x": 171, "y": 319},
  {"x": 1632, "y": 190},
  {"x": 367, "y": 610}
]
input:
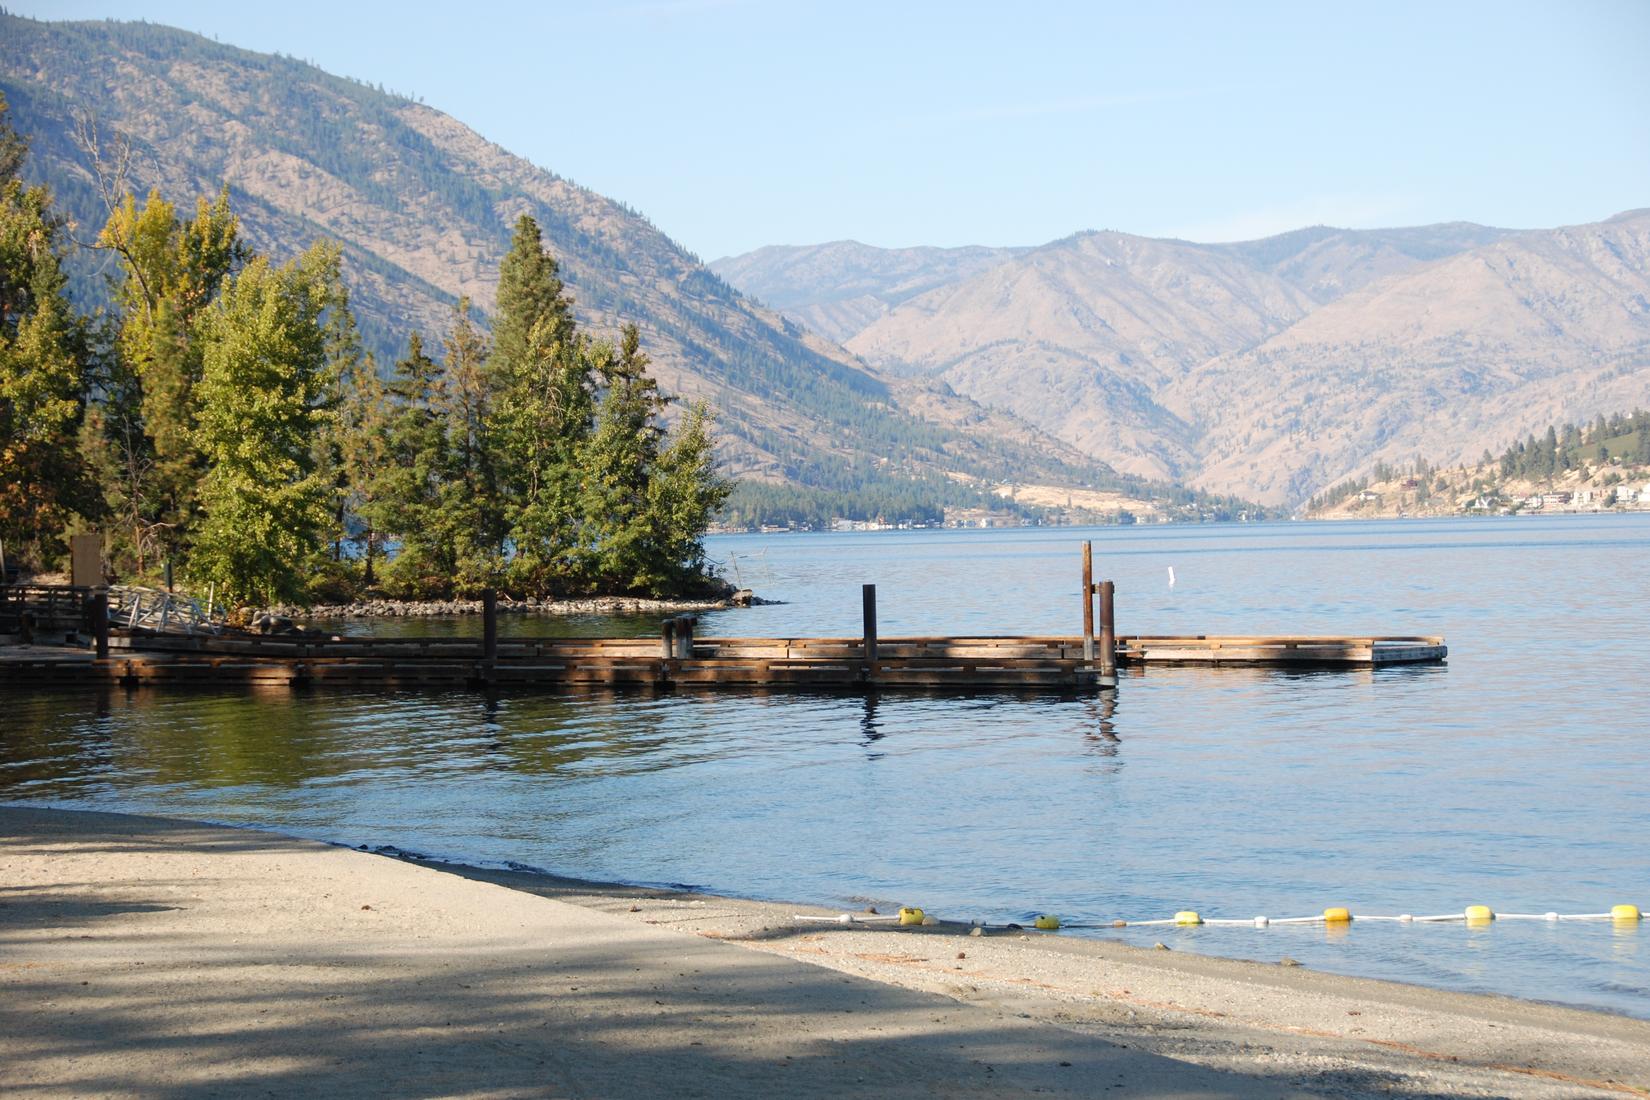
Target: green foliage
[
  {"x": 405, "y": 492},
  {"x": 1624, "y": 437},
  {"x": 45, "y": 482},
  {"x": 169, "y": 273},
  {"x": 471, "y": 509},
  {"x": 683, "y": 497},
  {"x": 645, "y": 505},
  {"x": 264, "y": 383},
  {"x": 543, "y": 373}
]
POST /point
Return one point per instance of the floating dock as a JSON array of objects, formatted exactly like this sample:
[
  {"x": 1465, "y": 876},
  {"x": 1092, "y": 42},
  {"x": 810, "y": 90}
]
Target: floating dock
[
  {"x": 134, "y": 656},
  {"x": 960, "y": 663}
]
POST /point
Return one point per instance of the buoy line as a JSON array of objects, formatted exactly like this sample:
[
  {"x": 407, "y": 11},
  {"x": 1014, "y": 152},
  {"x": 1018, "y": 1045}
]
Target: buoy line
[{"x": 1472, "y": 915}]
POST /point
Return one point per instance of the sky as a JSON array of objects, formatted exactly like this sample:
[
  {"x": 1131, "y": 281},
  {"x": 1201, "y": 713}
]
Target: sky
[{"x": 734, "y": 124}]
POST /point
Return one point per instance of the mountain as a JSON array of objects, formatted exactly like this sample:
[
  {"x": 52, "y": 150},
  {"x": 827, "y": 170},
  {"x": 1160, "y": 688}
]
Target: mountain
[
  {"x": 1079, "y": 335},
  {"x": 1466, "y": 353},
  {"x": 1276, "y": 368},
  {"x": 837, "y": 289},
  {"x": 423, "y": 206}
]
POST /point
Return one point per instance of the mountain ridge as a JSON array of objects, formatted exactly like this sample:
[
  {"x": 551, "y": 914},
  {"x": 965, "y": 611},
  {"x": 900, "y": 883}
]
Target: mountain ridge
[{"x": 1256, "y": 367}]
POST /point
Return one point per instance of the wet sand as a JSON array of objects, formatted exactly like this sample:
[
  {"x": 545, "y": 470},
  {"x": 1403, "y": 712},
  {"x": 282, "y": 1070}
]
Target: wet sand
[{"x": 140, "y": 956}]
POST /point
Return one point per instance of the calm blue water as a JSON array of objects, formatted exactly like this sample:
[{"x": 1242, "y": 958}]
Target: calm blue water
[{"x": 1514, "y": 776}]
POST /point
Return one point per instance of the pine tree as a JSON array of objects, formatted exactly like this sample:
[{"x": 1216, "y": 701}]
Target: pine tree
[
  {"x": 618, "y": 464},
  {"x": 45, "y": 481},
  {"x": 349, "y": 446},
  {"x": 263, "y": 388},
  {"x": 542, "y": 372},
  {"x": 471, "y": 510},
  {"x": 404, "y": 498},
  {"x": 683, "y": 497},
  {"x": 529, "y": 295}
]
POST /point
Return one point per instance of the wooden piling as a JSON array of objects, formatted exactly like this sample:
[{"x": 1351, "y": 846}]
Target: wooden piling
[
  {"x": 100, "y": 624},
  {"x": 1088, "y": 601},
  {"x": 489, "y": 626},
  {"x": 868, "y": 596},
  {"x": 668, "y": 636},
  {"x": 684, "y": 636},
  {"x": 1108, "y": 630}
]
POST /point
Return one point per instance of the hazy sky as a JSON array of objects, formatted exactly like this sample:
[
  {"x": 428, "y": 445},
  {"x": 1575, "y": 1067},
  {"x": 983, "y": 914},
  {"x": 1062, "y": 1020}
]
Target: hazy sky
[{"x": 737, "y": 123}]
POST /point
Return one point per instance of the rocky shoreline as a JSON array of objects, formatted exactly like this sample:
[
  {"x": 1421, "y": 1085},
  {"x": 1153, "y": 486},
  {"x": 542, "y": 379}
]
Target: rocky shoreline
[{"x": 594, "y": 605}]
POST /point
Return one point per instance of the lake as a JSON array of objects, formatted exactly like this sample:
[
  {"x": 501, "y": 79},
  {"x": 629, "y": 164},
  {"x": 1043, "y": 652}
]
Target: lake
[{"x": 1512, "y": 776}]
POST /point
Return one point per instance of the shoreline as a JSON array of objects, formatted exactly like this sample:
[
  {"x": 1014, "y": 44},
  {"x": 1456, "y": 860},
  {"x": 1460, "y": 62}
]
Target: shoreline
[
  {"x": 430, "y": 609},
  {"x": 155, "y": 897}
]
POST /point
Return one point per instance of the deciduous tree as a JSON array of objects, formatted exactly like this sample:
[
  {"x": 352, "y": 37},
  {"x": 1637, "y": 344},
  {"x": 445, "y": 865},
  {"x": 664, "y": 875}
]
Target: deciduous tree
[{"x": 45, "y": 482}]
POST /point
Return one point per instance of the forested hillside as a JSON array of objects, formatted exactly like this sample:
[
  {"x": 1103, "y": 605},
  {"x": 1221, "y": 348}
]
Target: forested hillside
[
  {"x": 421, "y": 207},
  {"x": 1595, "y": 467}
]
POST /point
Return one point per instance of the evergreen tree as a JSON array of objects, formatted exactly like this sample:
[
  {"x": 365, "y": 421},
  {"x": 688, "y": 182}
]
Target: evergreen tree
[
  {"x": 263, "y": 388},
  {"x": 684, "y": 495},
  {"x": 405, "y": 496},
  {"x": 543, "y": 424},
  {"x": 471, "y": 512},
  {"x": 349, "y": 445},
  {"x": 45, "y": 481},
  {"x": 529, "y": 295},
  {"x": 542, "y": 372},
  {"x": 619, "y": 463}
]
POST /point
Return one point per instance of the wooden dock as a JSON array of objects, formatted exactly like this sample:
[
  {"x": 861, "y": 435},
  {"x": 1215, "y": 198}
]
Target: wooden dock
[
  {"x": 1283, "y": 652},
  {"x": 137, "y": 657},
  {"x": 959, "y": 663}
]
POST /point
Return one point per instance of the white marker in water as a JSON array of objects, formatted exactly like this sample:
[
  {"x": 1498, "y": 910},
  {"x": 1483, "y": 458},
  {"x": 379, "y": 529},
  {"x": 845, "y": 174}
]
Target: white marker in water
[{"x": 1171, "y": 576}]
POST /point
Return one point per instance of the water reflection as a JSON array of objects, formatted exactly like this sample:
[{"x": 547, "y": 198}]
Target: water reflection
[
  {"x": 869, "y": 727},
  {"x": 1102, "y": 726}
]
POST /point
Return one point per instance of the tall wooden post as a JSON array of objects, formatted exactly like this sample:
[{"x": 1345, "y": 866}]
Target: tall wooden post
[
  {"x": 684, "y": 636},
  {"x": 1088, "y": 602},
  {"x": 668, "y": 633},
  {"x": 869, "y": 598},
  {"x": 100, "y": 623},
  {"x": 489, "y": 627},
  {"x": 1108, "y": 630}
]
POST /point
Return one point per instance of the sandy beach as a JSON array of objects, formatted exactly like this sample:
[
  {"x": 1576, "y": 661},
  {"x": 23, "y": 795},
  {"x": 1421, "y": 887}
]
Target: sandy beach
[{"x": 145, "y": 957}]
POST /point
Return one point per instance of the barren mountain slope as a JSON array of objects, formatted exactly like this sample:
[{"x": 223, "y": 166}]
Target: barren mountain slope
[
  {"x": 1327, "y": 262},
  {"x": 423, "y": 207},
  {"x": 1463, "y": 354},
  {"x": 1076, "y": 337},
  {"x": 837, "y": 289}
]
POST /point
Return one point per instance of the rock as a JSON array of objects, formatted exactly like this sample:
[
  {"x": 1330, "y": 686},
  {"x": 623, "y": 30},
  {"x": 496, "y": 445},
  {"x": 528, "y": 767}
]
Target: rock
[{"x": 270, "y": 623}]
